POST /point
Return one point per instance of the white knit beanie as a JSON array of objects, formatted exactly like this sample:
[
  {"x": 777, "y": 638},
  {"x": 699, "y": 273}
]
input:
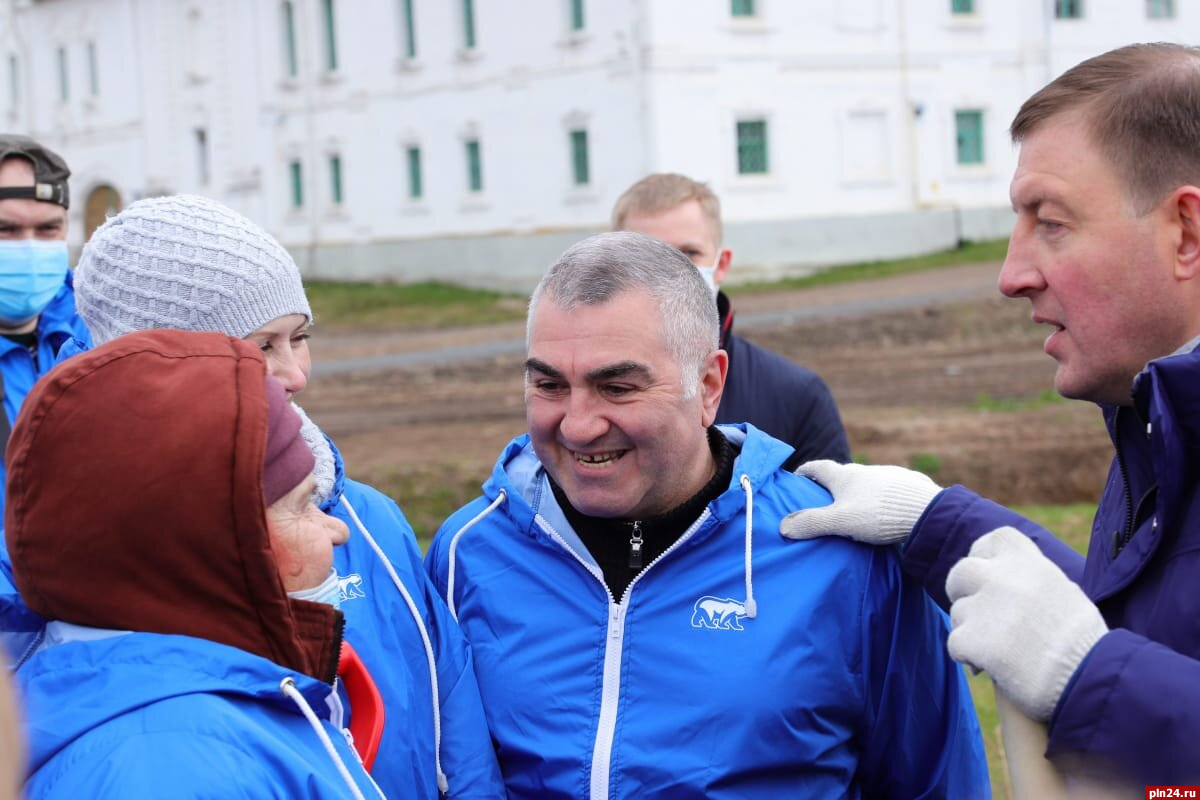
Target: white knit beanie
[{"x": 184, "y": 262}]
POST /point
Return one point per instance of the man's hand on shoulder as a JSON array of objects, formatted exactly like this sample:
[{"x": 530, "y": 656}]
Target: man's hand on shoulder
[{"x": 873, "y": 504}]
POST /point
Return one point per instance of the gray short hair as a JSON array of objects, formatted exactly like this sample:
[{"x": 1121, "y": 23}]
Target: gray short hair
[{"x": 597, "y": 269}]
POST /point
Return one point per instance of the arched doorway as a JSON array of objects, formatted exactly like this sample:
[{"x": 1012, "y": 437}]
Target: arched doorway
[{"x": 102, "y": 202}]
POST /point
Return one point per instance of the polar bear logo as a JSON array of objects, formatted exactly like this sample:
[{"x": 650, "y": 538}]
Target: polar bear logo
[
  {"x": 351, "y": 587},
  {"x": 718, "y": 612}
]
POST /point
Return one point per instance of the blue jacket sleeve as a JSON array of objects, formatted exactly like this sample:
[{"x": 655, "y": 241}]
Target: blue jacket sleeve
[
  {"x": 178, "y": 766},
  {"x": 922, "y": 738},
  {"x": 952, "y": 523},
  {"x": 20, "y": 627},
  {"x": 1135, "y": 704},
  {"x": 468, "y": 757}
]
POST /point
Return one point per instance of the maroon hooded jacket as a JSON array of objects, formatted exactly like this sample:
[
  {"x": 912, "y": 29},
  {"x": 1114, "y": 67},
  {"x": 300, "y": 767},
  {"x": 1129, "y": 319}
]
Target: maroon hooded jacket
[{"x": 135, "y": 499}]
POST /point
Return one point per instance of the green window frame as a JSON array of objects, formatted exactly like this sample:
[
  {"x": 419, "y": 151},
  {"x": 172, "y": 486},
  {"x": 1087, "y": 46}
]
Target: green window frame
[
  {"x": 742, "y": 8},
  {"x": 752, "y": 147},
  {"x": 1160, "y": 9},
  {"x": 577, "y": 18},
  {"x": 413, "y": 158},
  {"x": 64, "y": 82},
  {"x": 335, "y": 179},
  {"x": 296, "y": 179},
  {"x": 474, "y": 166},
  {"x": 14, "y": 82},
  {"x": 410, "y": 29},
  {"x": 580, "y": 168},
  {"x": 331, "y": 53},
  {"x": 1068, "y": 9},
  {"x": 968, "y": 136},
  {"x": 962, "y": 6},
  {"x": 468, "y": 24},
  {"x": 291, "y": 64},
  {"x": 203, "y": 162},
  {"x": 93, "y": 69}
]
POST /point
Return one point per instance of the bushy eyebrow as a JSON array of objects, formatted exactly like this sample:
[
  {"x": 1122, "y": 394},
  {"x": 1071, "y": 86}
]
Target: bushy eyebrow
[
  {"x": 536, "y": 365},
  {"x": 622, "y": 369}
]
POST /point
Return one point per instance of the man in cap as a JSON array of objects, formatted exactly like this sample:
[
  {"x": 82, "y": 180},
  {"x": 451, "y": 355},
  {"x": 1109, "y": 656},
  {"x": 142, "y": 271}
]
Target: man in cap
[{"x": 37, "y": 301}]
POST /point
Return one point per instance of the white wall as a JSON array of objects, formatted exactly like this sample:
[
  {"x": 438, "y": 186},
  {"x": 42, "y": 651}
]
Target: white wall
[{"x": 859, "y": 99}]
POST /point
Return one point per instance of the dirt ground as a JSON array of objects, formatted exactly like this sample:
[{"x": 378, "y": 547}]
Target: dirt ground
[{"x": 954, "y": 381}]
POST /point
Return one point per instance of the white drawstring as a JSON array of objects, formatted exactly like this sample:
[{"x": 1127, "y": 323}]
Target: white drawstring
[
  {"x": 288, "y": 687},
  {"x": 430, "y": 658},
  {"x": 500, "y": 498},
  {"x": 751, "y": 605}
]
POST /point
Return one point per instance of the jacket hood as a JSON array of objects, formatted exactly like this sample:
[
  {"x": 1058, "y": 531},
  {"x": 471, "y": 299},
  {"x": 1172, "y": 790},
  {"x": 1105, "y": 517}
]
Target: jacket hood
[{"x": 135, "y": 499}]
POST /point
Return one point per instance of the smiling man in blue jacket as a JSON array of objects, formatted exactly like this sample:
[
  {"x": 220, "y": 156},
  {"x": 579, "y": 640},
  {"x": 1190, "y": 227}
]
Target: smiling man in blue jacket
[{"x": 640, "y": 628}]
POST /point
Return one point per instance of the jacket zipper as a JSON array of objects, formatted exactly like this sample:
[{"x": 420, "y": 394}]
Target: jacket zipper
[
  {"x": 610, "y": 691},
  {"x": 635, "y": 546}
]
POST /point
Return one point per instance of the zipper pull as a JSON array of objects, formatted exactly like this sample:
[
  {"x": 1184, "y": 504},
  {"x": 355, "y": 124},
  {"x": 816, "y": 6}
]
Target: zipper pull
[{"x": 635, "y": 547}]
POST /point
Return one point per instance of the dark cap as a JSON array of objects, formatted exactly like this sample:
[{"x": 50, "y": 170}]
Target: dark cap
[{"x": 50, "y": 172}]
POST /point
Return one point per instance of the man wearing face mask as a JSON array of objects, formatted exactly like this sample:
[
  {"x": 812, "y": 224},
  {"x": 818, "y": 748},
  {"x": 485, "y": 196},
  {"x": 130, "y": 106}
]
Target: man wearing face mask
[
  {"x": 784, "y": 399},
  {"x": 37, "y": 299}
]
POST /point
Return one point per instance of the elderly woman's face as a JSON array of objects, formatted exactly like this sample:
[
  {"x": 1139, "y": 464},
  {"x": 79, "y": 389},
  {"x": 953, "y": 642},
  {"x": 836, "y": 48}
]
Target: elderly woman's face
[
  {"x": 303, "y": 537},
  {"x": 284, "y": 341}
]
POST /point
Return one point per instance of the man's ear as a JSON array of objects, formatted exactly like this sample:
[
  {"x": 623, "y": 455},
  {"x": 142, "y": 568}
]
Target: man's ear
[
  {"x": 1186, "y": 207},
  {"x": 712, "y": 384}
]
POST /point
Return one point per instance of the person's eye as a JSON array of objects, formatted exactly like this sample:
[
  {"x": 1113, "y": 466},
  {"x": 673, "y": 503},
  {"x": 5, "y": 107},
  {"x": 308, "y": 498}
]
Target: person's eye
[
  {"x": 617, "y": 390},
  {"x": 301, "y": 337},
  {"x": 1049, "y": 226},
  {"x": 546, "y": 386},
  {"x": 265, "y": 346}
]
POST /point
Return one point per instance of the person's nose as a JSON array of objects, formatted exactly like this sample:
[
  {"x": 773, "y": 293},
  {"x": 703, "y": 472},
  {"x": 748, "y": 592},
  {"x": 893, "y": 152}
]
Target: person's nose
[
  {"x": 583, "y": 420},
  {"x": 286, "y": 369},
  {"x": 338, "y": 531},
  {"x": 1020, "y": 275}
]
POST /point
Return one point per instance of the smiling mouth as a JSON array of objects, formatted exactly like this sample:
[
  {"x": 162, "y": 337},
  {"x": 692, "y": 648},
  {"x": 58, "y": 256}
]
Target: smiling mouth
[{"x": 599, "y": 459}]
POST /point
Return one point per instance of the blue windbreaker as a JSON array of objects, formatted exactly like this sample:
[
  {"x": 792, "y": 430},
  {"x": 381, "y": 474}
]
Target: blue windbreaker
[
  {"x": 1134, "y": 702},
  {"x": 389, "y": 634},
  {"x": 388, "y": 621},
  {"x": 57, "y": 324},
  {"x": 149, "y": 715},
  {"x": 738, "y": 664}
]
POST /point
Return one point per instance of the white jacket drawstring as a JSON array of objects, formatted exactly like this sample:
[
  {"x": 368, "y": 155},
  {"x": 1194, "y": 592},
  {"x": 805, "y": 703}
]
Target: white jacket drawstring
[
  {"x": 751, "y": 605},
  {"x": 288, "y": 687},
  {"x": 500, "y": 498},
  {"x": 430, "y": 658}
]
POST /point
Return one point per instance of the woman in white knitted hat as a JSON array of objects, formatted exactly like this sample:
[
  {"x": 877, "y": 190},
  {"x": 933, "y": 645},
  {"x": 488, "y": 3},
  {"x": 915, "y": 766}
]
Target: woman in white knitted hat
[{"x": 191, "y": 263}]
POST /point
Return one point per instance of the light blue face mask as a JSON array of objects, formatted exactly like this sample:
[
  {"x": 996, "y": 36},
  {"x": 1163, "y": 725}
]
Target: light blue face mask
[
  {"x": 31, "y": 273},
  {"x": 328, "y": 592},
  {"x": 709, "y": 274}
]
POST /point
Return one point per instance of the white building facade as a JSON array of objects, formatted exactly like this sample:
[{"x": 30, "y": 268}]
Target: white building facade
[{"x": 473, "y": 140}]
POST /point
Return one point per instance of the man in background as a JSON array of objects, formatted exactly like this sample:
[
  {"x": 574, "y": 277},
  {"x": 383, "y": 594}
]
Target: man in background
[
  {"x": 37, "y": 299},
  {"x": 773, "y": 394}
]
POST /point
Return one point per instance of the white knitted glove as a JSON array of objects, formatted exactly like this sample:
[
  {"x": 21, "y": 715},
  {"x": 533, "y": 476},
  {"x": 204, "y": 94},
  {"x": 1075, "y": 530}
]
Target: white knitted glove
[
  {"x": 871, "y": 504},
  {"x": 1018, "y": 617}
]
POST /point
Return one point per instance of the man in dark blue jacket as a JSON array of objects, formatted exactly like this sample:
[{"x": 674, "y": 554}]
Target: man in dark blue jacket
[
  {"x": 37, "y": 301},
  {"x": 786, "y": 400},
  {"x": 1106, "y": 248}
]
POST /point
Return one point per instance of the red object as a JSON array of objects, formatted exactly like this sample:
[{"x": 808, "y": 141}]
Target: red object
[{"x": 366, "y": 704}]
